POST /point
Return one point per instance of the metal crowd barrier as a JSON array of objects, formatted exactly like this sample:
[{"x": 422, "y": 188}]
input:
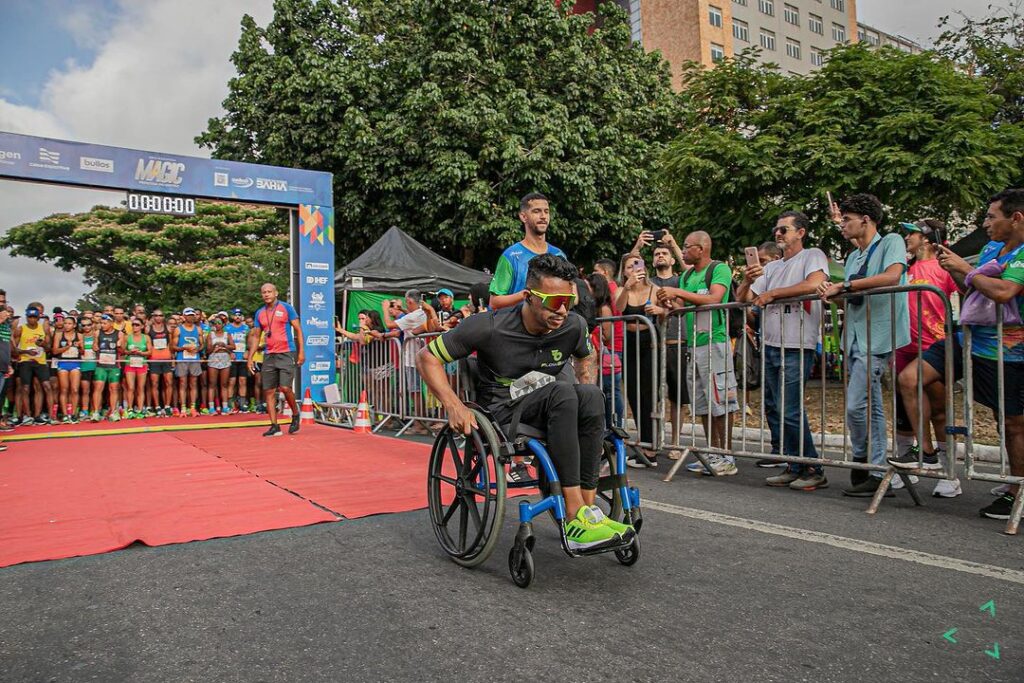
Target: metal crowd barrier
[
  {"x": 419, "y": 405},
  {"x": 373, "y": 368},
  {"x": 834, "y": 449},
  {"x": 631, "y": 379}
]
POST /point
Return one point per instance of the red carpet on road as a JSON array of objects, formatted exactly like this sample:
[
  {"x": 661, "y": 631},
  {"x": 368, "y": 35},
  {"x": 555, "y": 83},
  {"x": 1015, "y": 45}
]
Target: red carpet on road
[
  {"x": 352, "y": 474},
  {"x": 149, "y": 424},
  {"x": 64, "y": 498}
]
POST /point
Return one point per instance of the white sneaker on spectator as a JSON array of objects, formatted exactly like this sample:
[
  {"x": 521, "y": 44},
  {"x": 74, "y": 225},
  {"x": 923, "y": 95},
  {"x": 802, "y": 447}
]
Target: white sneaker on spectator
[
  {"x": 897, "y": 482},
  {"x": 722, "y": 466},
  {"x": 696, "y": 467},
  {"x": 946, "y": 488},
  {"x": 1000, "y": 490}
]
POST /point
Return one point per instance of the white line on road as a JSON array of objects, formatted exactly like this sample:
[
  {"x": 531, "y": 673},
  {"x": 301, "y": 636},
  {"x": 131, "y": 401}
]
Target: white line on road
[{"x": 890, "y": 551}]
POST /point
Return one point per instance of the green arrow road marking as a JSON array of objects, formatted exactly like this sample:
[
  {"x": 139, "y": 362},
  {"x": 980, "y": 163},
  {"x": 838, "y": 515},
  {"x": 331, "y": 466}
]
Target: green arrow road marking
[
  {"x": 994, "y": 652},
  {"x": 948, "y": 635},
  {"x": 990, "y": 606}
]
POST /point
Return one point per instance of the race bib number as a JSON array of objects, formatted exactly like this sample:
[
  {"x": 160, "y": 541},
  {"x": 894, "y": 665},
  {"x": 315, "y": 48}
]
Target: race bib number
[
  {"x": 70, "y": 352},
  {"x": 89, "y": 354},
  {"x": 107, "y": 358},
  {"x": 136, "y": 362},
  {"x": 159, "y": 343},
  {"x": 189, "y": 355}
]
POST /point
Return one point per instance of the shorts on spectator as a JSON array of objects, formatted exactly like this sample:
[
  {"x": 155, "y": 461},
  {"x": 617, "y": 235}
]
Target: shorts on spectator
[
  {"x": 984, "y": 378},
  {"x": 715, "y": 380},
  {"x": 160, "y": 367},
  {"x": 188, "y": 368},
  {"x": 239, "y": 368},
  {"x": 278, "y": 370},
  {"x": 29, "y": 369},
  {"x": 102, "y": 374}
]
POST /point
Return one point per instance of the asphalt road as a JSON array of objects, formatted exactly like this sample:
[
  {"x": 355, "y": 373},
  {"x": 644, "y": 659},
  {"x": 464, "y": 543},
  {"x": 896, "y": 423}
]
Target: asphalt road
[{"x": 712, "y": 599}]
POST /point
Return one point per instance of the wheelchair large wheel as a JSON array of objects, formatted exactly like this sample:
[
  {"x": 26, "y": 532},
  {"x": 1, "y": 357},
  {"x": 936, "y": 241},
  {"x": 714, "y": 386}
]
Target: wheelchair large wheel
[{"x": 466, "y": 493}]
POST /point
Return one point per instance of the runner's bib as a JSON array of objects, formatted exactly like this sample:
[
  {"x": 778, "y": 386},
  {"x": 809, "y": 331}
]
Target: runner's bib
[
  {"x": 160, "y": 343},
  {"x": 136, "y": 362},
  {"x": 89, "y": 354},
  {"x": 70, "y": 352},
  {"x": 189, "y": 355},
  {"x": 108, "y": 358}
]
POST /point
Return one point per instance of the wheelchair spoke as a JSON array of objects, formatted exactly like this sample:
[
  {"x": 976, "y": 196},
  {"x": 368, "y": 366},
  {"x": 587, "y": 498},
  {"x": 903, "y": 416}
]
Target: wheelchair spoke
[
  {"x": 475, "y": 514},
  {"x": 451, "y": 510},
  {"x": 454, "y": 450},
  {"x": 463, "y": 523},
  {"x": 447, "y": 480}
]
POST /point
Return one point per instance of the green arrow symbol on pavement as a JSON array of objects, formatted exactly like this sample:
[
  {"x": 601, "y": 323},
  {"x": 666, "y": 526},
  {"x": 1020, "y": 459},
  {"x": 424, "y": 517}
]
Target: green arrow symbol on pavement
[
  {"x": 989, "y": 606},
  {"x": 948, "y": 635},
  {"x": 994, "y": 652}
]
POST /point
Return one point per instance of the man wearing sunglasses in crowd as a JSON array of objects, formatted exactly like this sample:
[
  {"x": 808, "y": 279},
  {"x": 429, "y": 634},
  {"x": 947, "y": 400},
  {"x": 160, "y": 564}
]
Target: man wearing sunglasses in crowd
[{"x": 519, "y": 346}]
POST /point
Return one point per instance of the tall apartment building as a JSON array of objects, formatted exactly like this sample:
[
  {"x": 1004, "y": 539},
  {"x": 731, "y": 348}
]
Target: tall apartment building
[
  {"x": 878, "y": 38},
  {"x": 791, "y": 33}
]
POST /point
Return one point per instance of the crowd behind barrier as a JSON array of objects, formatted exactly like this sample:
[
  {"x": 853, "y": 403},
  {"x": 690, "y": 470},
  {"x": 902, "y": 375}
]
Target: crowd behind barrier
[{"x": 679, "y": 356}]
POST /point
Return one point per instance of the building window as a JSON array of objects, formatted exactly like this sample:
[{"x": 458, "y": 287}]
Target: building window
[
  {"x": 793, "y": 48},
  {"x": 791, "y": 14},
  {"x": 767, "y": 7},
  {"x": 717, "y": 53},
  {"x": 767, "y": 40},
  {"x": 715, "y": 16},
  {"x": 740, "y": 30},
  {"x": 838, "y": 33},
  {"x": 817, "y": 57},
  {"x": 838, "y": 5},
  {"x": 873, "y": 40},
  {"x": 815, "y": 24},
  {"x": 740, "y": 2}
]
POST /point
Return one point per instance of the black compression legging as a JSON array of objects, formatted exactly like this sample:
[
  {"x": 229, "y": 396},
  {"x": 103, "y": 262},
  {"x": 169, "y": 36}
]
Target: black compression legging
[{"x": 572, "y": 415}]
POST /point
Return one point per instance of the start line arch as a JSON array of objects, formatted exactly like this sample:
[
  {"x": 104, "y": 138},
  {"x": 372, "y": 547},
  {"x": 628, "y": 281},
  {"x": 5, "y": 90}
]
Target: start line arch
[{"x": 170, "y": 183}]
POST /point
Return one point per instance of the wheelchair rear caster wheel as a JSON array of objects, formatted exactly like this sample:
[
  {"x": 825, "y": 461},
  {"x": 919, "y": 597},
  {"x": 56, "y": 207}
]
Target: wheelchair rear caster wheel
[
  {"x": 630, "y": 554},
  {"x": 520, "y": 565}
]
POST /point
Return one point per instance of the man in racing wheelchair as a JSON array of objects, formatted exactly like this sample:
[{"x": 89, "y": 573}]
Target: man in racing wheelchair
[{"x": 522, "y": 347}]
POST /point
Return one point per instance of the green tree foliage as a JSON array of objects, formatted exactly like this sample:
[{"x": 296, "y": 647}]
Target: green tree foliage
[
  {"x": 214, "y": 260},
  {"x": 436, "y": 116},
  {"x": 912, "y": 129}
]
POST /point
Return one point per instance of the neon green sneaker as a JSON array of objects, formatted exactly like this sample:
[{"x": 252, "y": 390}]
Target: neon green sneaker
[
  {"x": 618, "y": 527},
  {"x": 585, "y": 532}
]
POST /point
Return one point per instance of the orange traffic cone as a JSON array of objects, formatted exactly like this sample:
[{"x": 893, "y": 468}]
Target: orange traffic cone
[
  {"x": 362, "y": 425},
  {"x": 286, "y": 411},
  {"x": 306, "y": 414}
]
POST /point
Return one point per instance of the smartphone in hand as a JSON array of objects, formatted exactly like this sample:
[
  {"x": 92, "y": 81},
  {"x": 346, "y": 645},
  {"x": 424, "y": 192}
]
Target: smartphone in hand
[{"x": 751, "y": 255}]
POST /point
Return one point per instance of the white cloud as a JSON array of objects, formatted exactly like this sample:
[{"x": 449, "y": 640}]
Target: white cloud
[
  {"x": 918, "y": 19},
  {"x": 160, "y": 71}
]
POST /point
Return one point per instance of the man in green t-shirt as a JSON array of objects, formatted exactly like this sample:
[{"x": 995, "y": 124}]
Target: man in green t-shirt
[{"x": 710, "y": 374}]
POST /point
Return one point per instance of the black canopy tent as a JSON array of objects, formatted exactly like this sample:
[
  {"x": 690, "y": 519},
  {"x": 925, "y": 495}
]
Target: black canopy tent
[{"x": 396, "y": 262}]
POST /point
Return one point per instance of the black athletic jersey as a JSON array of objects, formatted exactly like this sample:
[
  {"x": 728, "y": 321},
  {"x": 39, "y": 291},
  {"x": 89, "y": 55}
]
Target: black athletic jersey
[
  {"x": 107, "y": 343},
  {"x": 505, "y": 351}
]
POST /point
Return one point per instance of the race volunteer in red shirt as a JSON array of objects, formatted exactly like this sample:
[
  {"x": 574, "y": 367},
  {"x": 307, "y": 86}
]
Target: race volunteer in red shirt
[{"x": 283, "y": 336}]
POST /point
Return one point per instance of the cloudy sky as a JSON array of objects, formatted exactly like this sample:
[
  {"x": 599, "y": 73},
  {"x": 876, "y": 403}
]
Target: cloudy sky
[{"x": 148, "y": 74}]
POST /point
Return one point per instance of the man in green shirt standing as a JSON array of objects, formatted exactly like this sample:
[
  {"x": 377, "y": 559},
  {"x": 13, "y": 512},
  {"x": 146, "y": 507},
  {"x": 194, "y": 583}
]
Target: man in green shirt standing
[{"x": 708, "y": 282}]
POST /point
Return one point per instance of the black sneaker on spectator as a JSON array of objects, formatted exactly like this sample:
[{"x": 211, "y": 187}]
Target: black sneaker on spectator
[
  {"x": 770, "y": 463},
  {"x": 866, "y": 489},
  {"x": 517, "y": 473},
  {"x": 274, "y": 430},
  {"x": 1000, "y": 509},
  {"x": 908, "y": 461}
]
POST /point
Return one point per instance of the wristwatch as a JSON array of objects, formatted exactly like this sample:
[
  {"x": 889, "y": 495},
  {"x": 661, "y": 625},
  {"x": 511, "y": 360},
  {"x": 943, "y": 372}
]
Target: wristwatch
[{"x": 847, "y": 286}]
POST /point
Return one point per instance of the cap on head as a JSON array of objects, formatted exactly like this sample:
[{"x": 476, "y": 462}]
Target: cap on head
[
  {"x": 445, "y": 292},
  {"x": 106, "y": 316},
  {"x": 236, "y": 311},
  {"x": 32, "y": 312},
  {"x": 189, "y": 311}
]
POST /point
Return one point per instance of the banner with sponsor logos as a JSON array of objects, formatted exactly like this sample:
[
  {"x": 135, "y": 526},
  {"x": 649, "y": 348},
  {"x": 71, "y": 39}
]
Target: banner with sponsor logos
[
  {"x": 27, "y": 157},
  {"x": 315, "y": 243}
]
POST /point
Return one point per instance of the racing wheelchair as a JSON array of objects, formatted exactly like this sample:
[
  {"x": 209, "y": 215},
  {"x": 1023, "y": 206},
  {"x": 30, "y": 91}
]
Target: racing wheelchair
[{"x": 467, "y": 492}]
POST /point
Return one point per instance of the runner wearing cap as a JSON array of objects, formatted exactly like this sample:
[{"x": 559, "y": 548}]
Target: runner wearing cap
[
  {"x": 187, "y": 342},
  {"x": 161, "y": 366},
  {"x": 239, "y": 375},
  {"x": 284, "y": 351},
  {"x": 109, "y": 349},
  {"x": 67, "y": 349},
  {"x": 31, "y": 341},
  {"x": 138, "y": 349}
]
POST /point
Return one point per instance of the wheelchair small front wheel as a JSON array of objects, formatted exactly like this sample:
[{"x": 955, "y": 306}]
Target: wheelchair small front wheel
[
  {"x": 629, "y": 555},
  {"x": 520, "y": 565}
]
